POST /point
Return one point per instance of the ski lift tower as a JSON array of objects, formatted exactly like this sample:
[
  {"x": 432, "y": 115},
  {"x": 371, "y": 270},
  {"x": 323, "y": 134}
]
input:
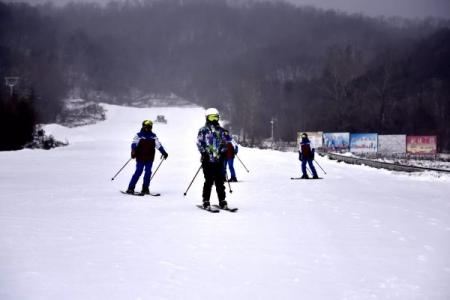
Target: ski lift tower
[{"x": 11, "y": 81}]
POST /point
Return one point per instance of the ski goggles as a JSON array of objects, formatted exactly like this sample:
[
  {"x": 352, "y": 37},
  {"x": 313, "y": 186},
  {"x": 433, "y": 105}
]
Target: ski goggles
[{"x": 213, "y": 118}]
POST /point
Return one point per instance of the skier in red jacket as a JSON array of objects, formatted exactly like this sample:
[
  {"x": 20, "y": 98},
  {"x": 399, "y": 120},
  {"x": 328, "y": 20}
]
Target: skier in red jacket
[{"x": 232, "y": 150}]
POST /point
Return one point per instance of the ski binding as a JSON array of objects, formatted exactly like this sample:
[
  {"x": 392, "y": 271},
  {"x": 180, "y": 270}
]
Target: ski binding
[
  {"x": 230, "y": 209},
  {"x": 211, "y": 209}
]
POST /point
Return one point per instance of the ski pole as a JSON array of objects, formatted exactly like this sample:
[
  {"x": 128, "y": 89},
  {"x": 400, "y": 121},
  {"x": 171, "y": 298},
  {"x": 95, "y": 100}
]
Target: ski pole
[
  {"x": 229, "y": 185},
  {"x": 243, "y": 164},
  {"x": 157, "y": 169},
  {"x": 320, "y": 167},
  {"x": 121, "y": 169},
  {"x": 192, "y": 180}
]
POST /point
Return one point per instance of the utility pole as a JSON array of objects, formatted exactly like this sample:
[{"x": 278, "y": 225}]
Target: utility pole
[
  {"x": 11, "y": 81},
  {"x": 272, "y": 122}
]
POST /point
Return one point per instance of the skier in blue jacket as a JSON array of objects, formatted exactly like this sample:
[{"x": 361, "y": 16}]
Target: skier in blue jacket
[
  {"x": 143, "y": 150},
  {"x": 306, "y": 155}
]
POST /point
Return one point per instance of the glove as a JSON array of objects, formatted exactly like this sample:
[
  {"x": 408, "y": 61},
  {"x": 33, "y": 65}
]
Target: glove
[
  {"x": 300, "y": 156},
  {"x": 165, "y": 155},
  {"x": 205, "y": 157},
  {"x": 133, "y": 154},
  {"x": 312, "y": 153}
]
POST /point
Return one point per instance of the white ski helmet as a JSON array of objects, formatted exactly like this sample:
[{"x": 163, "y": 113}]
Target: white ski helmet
[{"x": 211, "y": 111}]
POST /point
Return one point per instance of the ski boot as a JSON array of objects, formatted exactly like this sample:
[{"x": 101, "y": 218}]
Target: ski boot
[
  {"x": 145, "y": 191},
  {"x": 206, "y": 205}
]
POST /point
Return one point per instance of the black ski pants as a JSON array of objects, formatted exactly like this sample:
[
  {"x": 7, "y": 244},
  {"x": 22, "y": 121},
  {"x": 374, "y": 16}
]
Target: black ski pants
[{"x": 213, "y": 172}]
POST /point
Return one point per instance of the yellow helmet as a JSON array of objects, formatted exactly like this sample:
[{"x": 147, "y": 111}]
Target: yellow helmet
[{"x": 147, "y": 123}]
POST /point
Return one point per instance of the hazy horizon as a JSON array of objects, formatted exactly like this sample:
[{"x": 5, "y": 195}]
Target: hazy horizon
[{"x": 388, "y": 8}]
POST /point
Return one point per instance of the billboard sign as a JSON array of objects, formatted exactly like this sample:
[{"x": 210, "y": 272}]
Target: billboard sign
[
  {"x": 392, "y": 144},
  {"x": 338, "y": 141},
  {"x": 364, "y": 142},
  {"x": 315, "y": 138},
  {"x": 421, "y": 144}
]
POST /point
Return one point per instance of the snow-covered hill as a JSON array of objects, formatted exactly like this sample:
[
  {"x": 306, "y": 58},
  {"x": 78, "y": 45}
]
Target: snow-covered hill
[{"x": 67, "y": 233}]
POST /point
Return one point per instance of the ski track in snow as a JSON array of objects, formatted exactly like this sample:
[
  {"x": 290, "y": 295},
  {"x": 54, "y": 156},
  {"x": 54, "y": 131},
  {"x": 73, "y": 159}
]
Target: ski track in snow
[{"x": 67, "y": 233}]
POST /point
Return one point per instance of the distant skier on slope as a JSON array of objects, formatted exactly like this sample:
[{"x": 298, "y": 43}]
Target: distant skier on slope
[
  {"x": 211, "y": 143},
  {"x": 143, "y": 149},
  {"x": 306, "y": 155},
  {"x": 231, "y": 151}
]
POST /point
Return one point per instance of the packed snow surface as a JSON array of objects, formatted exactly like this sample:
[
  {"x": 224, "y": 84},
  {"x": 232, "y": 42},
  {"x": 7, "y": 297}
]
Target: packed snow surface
[{"x": 66, "y": 232}]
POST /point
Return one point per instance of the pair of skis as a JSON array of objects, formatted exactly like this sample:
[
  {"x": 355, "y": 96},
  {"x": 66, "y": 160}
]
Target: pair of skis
[
  {"x": 141, "y": 194},
  {"x": 217, "y": 208}
]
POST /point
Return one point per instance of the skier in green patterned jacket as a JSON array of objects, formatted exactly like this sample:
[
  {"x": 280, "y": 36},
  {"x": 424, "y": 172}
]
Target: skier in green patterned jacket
[{"x": 211, "y": 143}]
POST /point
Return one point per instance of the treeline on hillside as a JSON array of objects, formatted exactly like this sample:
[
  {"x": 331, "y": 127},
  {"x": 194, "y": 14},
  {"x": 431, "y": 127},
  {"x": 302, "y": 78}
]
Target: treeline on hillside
[
  {"x": 17, "y": 121},
  {"x": 310, "y": 69}
]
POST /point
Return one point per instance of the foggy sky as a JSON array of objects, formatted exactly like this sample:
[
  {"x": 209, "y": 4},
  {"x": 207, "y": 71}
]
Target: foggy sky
[{"x": 403, "y": 8}]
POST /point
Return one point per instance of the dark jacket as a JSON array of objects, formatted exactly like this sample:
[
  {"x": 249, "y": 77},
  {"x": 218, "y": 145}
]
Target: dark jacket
[
  {"x": 305, "y": 151},
  {"x": 144, "y": 144}
]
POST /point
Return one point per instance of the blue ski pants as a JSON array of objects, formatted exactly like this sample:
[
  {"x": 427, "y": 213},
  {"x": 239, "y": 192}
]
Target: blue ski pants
[
  {"x": 230, "y": 163},
  {"x": 140, "y": 166},
  {"x": 311, "y": 166}
]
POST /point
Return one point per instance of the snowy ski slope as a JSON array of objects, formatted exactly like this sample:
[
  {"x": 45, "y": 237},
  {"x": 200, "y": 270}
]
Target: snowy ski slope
[{"x": 67, "y": 233}]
